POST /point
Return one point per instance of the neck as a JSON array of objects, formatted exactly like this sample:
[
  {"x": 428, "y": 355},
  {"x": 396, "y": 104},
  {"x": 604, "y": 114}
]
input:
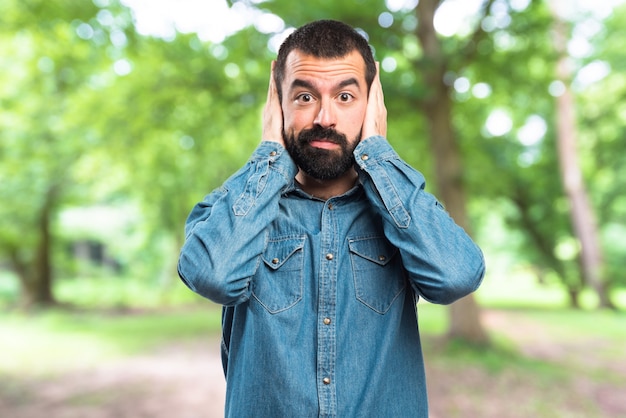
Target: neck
[{"x": 325, "y": 189}]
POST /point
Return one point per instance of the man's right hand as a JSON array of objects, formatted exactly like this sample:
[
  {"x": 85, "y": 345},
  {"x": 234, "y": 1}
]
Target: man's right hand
[
  {"x": 375, "y": 122},
  {"x": 273, "y": 114}
]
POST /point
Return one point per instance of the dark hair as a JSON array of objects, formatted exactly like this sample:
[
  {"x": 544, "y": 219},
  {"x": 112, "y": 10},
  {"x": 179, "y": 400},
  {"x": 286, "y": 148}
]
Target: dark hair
[{"x": 324, "y": 39}]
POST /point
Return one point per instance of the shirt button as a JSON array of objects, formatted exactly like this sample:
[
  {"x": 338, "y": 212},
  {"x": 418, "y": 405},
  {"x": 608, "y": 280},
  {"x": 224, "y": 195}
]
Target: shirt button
[
  {"x": 365, "y": 157},
  {"x": 326, "y": 321},
  {"x": 330, "y": 206},
  {"x": 275, "y": 260},
  {"x": 326, "y": 380},
  {"x": 382, "y": 258},
  {"x": 273, "y": 154},
  {"x": 329, "y": 256}
]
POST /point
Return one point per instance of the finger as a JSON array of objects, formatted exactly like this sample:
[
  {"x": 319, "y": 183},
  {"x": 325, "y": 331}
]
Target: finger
[
  {"x": 272, "y": 113},
  {"x": 376, "y": 114},
  {"x": 379, "y": 86},
  {"x": 272, "y": 87},
  {"x": 273, "y": 99}
]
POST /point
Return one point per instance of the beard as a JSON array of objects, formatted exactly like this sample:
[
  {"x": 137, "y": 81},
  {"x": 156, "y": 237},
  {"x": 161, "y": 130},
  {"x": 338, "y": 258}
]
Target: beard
[{"x": 321, "y": 164}]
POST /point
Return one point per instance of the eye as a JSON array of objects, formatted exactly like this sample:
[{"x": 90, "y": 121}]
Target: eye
[
  {"x": 304, "y": 98},
  {"x": 345, "y": 97}
]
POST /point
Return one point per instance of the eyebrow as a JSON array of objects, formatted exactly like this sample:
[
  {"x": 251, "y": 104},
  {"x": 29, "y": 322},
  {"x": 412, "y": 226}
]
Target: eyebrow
[
  {"x": 301, "y": 83},
  {"x": 307, "y": 85},
  {"x": 349, "y": 82}
]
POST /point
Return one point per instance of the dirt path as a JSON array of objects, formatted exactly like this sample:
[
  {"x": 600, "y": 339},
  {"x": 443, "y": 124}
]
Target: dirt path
[{"x": 185, "y": 381}]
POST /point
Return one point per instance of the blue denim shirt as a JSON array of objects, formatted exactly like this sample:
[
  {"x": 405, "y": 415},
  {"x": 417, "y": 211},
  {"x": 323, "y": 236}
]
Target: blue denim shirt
[{"x": 319, "y": 297}]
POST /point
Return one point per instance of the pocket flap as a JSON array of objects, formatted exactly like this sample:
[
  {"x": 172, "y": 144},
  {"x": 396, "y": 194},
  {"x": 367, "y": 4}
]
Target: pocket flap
[
  {"x": 375, "y": 249},
  {"x": 279, "y": 250}
]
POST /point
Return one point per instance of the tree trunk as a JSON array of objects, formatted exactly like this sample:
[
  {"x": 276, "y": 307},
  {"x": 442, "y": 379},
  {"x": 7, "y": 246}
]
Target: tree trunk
[
  {"x": 581, "y": 212},
  {"x": 35, "y": 273},
  {"x": 545, "y": 246},
  {"x": 465, "y": 320}
]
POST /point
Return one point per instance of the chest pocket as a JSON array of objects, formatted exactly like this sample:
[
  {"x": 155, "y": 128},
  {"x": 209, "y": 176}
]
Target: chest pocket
[
  {"x": 377, "y": 271},
  {"x": 278, "y": 283}
]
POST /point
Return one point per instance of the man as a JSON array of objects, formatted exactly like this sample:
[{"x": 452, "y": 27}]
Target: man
[{"x": 320, "y": 246}]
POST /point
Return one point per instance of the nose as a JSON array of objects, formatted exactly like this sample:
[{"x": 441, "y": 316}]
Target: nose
[{"x": 326, "y": 116}]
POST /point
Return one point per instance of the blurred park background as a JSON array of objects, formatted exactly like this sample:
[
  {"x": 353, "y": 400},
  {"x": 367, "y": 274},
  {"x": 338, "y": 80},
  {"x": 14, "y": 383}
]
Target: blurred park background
[{"x": 117, "y": 117}]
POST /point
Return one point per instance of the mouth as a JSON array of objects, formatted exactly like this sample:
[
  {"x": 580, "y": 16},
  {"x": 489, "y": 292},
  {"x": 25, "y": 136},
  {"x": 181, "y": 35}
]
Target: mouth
[{"x": 323, "y": 144}]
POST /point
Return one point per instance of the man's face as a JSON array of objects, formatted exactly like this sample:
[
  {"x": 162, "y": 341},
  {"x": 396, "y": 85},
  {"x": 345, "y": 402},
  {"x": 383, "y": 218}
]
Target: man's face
[{"x": 323, "y": 102}]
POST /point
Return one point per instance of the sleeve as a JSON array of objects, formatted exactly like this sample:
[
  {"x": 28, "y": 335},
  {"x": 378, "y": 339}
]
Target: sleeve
[
  {"x": 442, "y": 261},
  {"x": 225, "y": 234}
]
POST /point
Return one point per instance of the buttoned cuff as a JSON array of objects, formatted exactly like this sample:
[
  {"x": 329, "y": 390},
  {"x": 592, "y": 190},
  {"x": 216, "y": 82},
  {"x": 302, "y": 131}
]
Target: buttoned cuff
[
  {"x": 372, "y": 150},
  {"x": 278, "y": 158},
  {"x": 377, "y": 164}
]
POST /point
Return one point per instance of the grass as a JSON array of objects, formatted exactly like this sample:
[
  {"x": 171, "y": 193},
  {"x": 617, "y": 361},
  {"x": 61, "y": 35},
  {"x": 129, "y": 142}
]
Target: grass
[
  {"x": 578, "y": 324},
  {"x": 107, "y": 318},
  {"x": 603, "y": 331},
  {"x": 99, "y": 324},
  {"x": 124, "y": 292},
  {"x": 567, "y": 363},
  {"x": 119, "y": 318},
  {"x": 519, "y": 289},
  {"x": 57, "y": 340}
]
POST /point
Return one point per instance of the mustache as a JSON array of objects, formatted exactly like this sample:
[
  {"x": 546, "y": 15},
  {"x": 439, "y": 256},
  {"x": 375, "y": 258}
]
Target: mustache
[{"x": 317, "y": 132}]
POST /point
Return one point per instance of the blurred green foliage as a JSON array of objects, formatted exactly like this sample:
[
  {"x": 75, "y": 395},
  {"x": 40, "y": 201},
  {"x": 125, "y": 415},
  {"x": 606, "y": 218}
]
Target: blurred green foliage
[{"x": 95, "y": 115}]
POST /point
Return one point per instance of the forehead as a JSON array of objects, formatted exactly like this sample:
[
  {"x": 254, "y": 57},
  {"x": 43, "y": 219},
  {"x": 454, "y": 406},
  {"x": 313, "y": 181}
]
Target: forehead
[{"x": 308, "y": 67}]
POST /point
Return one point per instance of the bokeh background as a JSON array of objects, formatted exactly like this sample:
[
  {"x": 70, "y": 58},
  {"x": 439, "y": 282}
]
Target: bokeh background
[{"x": 116, "y": 117}]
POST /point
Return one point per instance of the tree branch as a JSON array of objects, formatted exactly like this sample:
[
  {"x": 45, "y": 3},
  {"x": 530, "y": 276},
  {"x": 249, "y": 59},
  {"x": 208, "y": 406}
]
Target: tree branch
[{"x": 468, "y": 52}]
